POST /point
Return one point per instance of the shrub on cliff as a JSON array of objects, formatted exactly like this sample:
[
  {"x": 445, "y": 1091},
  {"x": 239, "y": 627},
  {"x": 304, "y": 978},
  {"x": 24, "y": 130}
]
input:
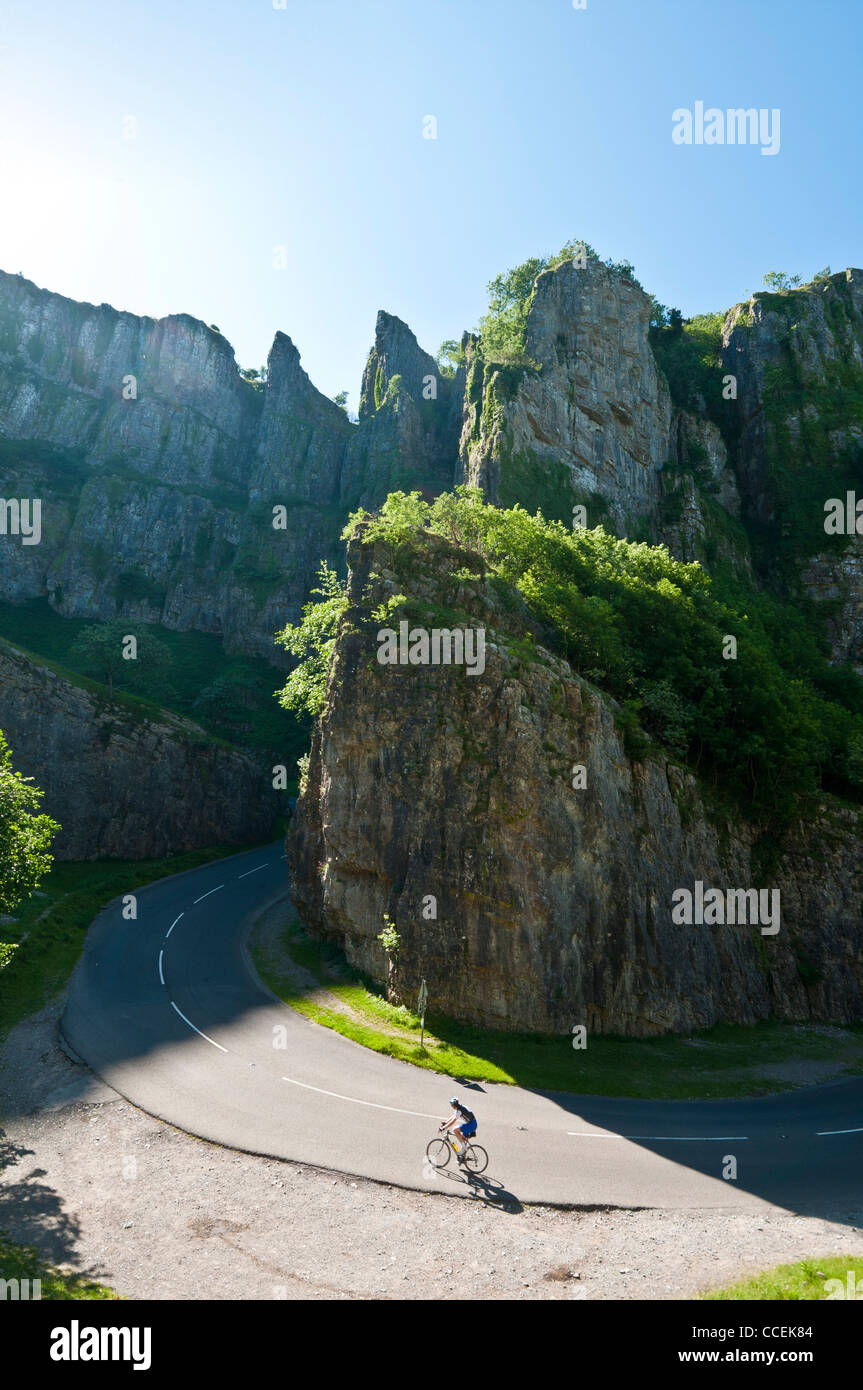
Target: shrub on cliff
[
  {"x": 25, "y": 836},
  {"x": 503, "y": 327},
  {"x": 313, "y": 641},
  {"x": 766, "y": 728}
]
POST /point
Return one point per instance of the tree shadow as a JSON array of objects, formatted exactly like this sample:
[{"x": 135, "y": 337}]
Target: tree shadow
[{"x": 31, "y": 1212}]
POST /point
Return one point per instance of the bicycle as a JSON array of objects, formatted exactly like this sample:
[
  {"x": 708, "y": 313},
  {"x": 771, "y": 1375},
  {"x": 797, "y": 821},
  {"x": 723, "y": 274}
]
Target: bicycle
[{"x": 439, "y": 1150}]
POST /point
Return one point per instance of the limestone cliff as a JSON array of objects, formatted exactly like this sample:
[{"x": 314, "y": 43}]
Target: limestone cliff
[
  {"x": 122, "y": 782},
  {"x": 590, "y": 419},
  {"x": 553, "y": 905},
  {"x": 798, "y": 361},
  {"x": 158, "y": 465}
]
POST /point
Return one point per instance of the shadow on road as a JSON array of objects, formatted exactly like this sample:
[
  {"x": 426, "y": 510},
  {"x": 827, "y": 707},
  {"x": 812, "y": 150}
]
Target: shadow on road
[
  {"x": 487, "y": 1189},
  {"x": 792, "y": 1149}
]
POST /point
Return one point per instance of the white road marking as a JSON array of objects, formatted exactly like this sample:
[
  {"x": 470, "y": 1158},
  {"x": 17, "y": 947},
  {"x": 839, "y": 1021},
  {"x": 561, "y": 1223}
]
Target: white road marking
[
  {"x": 161, "y": 974},
  {"x": 353, "y": 1100},
  {"x": 252, "y": 871},
  {"x": 197, "y": 1030},
  {"x": 820, "y": 1133},
  {"x": 666, "y": 1138},
  {"x": 172, "y": 926},
  {"x": 206, "y": 895}
]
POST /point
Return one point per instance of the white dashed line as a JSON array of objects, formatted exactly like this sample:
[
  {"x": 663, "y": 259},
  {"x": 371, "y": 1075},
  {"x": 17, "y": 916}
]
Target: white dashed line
[
  {"x": 252, "y": 871},
  {"x": 353, "y": 1100},
  {"x": 197, "y": 1030},
  {"x": 820, "y": 1133},
  {"x": 172, "y": 926},
  {"x": 666, "y": 1138},
  {"x": 206, "y": 895},
  {"x": 161, "y": 972}
]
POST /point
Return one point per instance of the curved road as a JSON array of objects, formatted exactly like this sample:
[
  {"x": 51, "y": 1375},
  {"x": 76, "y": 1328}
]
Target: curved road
[{"x": 168, "y": 1011}]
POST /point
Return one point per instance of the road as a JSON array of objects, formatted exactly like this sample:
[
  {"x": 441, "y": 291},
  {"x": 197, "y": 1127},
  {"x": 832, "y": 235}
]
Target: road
[{"x": 166, "y": 1008}]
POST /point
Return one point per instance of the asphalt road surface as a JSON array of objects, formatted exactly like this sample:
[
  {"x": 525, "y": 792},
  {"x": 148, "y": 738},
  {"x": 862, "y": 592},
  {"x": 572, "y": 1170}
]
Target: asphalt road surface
[{"x": 167, "y": 1009}]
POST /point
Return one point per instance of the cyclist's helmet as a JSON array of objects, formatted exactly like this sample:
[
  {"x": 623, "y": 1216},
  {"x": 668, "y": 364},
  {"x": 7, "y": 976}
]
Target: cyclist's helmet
[{"x": 454, "y": 1100}]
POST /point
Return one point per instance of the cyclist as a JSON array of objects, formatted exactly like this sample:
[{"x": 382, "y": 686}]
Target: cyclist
[{"x": 461, "y": 1122}]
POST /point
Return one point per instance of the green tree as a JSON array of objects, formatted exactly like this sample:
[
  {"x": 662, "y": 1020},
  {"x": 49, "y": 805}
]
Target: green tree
[
  {"x": 312, "y": 640},
  {"x": 25, "y": 836},
  {"x": 98, "y": 652},
  {"x": 449, "y": 357},
  {"x": 502, "y": 328},
  {"x": 777, "y": 280}
]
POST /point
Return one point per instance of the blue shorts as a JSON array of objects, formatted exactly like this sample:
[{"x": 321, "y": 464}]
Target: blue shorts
[{"x": 468, "y": 1127}]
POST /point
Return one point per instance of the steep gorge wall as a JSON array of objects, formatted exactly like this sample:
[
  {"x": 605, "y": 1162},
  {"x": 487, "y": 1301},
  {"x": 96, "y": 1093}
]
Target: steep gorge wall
[
  {"x": 553, "y": 904},
  {"x": 592, "y": 421},
  {"x": 158, "y": 465},
  {"x": 798, "y": 361},
  {"x": 124, "y": 785}
]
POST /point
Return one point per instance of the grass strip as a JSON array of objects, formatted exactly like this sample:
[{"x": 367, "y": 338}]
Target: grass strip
[
  {"x": 21, "y": 1262},
  {"x": 807, "y": 1279},
  {"x": 724, "y": 1061}
]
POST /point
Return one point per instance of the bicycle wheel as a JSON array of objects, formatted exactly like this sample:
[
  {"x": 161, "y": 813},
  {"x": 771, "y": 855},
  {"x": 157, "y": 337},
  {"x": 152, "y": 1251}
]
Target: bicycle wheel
[
  {"x": 475, "y": 1158},
  {"x": 438, "y": 1152}
]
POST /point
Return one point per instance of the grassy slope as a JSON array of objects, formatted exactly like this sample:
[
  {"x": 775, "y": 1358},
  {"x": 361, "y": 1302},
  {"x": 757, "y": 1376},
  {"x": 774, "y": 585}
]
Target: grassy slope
[
  {"x": 23, "y": 1262},
  {"x": 197, "y": 658},
  {"x": 804, "y": 1280},
  {"x": 724, "y": 1061}
]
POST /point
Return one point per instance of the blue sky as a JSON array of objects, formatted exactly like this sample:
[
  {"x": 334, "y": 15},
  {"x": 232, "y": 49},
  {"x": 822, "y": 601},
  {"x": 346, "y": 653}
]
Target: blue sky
[{"x": 302, "y": 128}]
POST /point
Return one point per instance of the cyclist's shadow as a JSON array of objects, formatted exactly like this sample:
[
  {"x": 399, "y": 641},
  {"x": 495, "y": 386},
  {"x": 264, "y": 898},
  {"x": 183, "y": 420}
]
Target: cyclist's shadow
[{"x": 486, "y": 1189}]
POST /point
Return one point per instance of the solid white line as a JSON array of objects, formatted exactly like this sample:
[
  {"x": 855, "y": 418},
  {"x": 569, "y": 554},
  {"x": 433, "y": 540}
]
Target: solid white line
[
  {"x": 206, "y": 895},
  {"x": 252, "y": 871},
  {"x": 353, "y": 1100},
  {"x": 172, "y": 926},
  {"x": 197, "y": 1030},
  {"x": 666, "y": 1138},
  {"x": 819, "y": 1133},
  {"x": 161, "y": 975}
]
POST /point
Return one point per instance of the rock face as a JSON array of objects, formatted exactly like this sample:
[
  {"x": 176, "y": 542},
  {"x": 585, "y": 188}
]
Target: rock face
[
  {"x": 798, "y": 361},
  {"x": 553, "y": 905},
  {"x": 123, "y": 786},
  {"x": 158, "y": 466}
]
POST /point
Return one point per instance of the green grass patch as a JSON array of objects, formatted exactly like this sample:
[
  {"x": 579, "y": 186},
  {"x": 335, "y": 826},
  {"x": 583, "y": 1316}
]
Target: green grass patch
[
  {"x": 372, "y": 1022},
  {"x": 51, "y": 924},
  {"x": 231, "y": 697},
  {"x": 807, "y": 1279},
  {"x": 722, "y": 1061},
  {"x": 23, "y": 1262}
]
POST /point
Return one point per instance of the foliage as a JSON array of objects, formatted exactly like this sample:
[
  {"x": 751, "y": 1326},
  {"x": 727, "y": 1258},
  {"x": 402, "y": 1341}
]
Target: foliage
[
  {"x": 25, "y": 835},
  {"x": 389, "y": 937},
  {"x": 98, "y": 651},
  {"x": 690, "y": 357},
  {"x": 766, "y": 730},
  {"x": 312, "y": 641},
  {"x": 24, "y": 1262},
  {"x": 805, "y": 1281},
  {"x": 341, "y": 400},
  {"x": 450, "y": 357},
  {"x": 255, "y": 376},
  {"x": 778, "y": 281},
  {"x": 303, "y": 768},
  {"x": 230, "y": 696},
  {"x": 503, "y": 327}
]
